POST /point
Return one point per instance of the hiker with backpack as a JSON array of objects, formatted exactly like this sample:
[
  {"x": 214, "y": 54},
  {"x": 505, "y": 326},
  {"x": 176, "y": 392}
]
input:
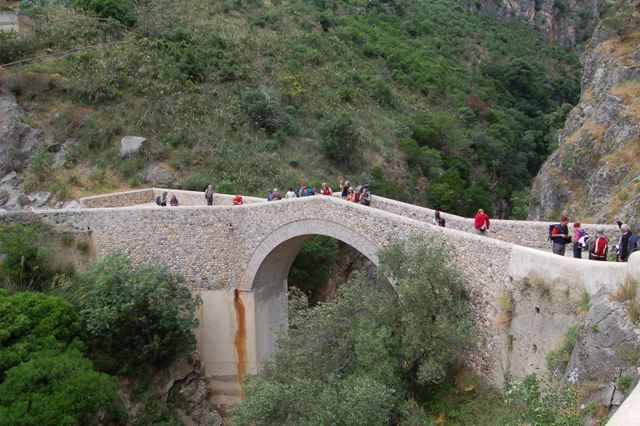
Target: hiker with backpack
[
  {"x": 560, "y": 236},
  {"x": 365, "y": 196},
  {"x": 579, "y": 240},
  {"x": 598, "y": 245},
  {"x": 208, "y": 195},
  {"x": 481, "y": 223},
  {"x": 626, "y": 242},
  {"x": 161, "y": 200}
]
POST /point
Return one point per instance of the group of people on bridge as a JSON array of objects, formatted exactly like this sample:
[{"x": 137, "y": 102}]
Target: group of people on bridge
[{"x": 597, "y": 244}]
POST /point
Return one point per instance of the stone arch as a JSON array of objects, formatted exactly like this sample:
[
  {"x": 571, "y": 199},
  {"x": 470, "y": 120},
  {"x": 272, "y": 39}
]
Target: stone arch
[{"x": 266, "y": 273}]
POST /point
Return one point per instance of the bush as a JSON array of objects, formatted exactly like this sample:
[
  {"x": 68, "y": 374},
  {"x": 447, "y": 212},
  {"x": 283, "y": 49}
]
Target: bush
[
  {"x": 114, "y": 9},
  {"x": 552, "y": 407},
  {"x": 34, "y": 322},
  {"x": 341, "y": 140},
  {"x": 26, "y": 262},
  {"x": 58, "y": 389},
  {"x": 39, "y": 170},
  {"x": 365, "y": 356},
  {"x": 136, "y": 315},
  {"x": 264, "y": 111}
]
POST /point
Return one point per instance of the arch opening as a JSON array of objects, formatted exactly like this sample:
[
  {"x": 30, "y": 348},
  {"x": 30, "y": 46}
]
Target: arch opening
[{"x": 266, "y": 275}]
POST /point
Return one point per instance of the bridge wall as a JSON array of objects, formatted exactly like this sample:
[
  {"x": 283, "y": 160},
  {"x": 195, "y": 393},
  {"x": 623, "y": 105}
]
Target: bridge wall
[
  {"x": 525, "y": 233},
  {"x": 237, "y": 257}
]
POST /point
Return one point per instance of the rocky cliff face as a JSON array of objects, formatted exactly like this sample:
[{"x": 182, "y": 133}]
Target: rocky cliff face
[
  {"x": 594, "y": 175},
  {"x": 564, "y": 22}
]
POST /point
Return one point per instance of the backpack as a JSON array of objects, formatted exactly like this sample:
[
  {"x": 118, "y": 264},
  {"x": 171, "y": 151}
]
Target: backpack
[
  {"x": 559, "y": 227},
  {"x": 600, "y": 248},
  {"x": 159, "y": 200},
  {"x": 633, "y": 243},
  {"x": 582, "y": 241}
]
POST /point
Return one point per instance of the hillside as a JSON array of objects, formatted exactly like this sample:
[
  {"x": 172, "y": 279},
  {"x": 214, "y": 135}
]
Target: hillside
[
  {"x": 594, "y": 175},
  {"x": 431, "y": 103}
]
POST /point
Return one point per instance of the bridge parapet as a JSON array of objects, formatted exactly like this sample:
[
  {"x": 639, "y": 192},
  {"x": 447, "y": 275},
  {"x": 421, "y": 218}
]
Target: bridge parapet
[
  {"x": 521, "y": 232},
  {"x": 148, "y": 195}
]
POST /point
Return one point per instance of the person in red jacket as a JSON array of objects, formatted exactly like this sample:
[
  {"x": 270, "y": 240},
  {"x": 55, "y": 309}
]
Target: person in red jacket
[
  {"x": 482, "y": 222},
  {"x": 237, "y": 201}
]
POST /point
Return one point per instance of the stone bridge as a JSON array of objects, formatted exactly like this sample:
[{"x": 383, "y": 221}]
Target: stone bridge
[{"x": 237, "y": 259}]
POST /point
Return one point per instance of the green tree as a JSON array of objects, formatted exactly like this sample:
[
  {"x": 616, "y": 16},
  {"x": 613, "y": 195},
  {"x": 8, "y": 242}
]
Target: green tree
[
  {"x": 362, "y": 357},
  {"x": 135, "y": 315},
  {"x": 58, "y": 389},
  {"x": 34, "y": 322}
]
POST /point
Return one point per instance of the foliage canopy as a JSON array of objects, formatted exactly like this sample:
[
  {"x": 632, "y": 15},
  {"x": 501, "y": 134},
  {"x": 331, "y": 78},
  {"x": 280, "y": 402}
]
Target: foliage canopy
[{"x": 135, "y": 315}]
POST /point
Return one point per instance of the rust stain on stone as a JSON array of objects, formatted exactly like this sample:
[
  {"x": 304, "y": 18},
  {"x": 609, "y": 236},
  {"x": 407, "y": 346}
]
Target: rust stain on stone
[{"x": 240, "y": 341}]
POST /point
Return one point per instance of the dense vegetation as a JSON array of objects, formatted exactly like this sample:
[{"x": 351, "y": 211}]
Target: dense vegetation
[
  {"x": 58, "y": 350},
  {"x": 428, "y": 102},
  {"x": 382, "y": 356},
  {"x": 364, "y": 356}
]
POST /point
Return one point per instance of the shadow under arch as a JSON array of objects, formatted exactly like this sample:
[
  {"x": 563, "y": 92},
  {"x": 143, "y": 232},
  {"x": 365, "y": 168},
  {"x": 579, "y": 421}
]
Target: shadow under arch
[{"x": 266, "y": 274}]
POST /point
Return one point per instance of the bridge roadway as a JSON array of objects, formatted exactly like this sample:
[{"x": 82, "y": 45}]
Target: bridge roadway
[{"x": 237, "y": 259}]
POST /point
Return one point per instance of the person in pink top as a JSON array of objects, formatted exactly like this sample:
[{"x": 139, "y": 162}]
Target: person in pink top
[{"x": 482, "y": 223}]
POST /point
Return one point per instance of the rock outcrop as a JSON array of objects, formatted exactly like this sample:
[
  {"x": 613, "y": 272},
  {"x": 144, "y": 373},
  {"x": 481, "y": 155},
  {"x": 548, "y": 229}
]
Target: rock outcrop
[
  {"x": 18, "y": 140},
  {"x": 594, "y": 175},
  {"x": 564, "y": 22},
  {"x": 605, "y": 357}
]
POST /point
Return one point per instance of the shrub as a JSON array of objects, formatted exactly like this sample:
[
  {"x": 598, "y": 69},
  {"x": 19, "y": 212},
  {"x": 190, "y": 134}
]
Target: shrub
[
  {"x": 26, "y": 261},
  {"x": 39, "y": 170},
  {"x": 114, "y": 9},
  {"x": 83, "y": 246},
  {"x": 341, "y": 140},
  {"x": 551, "y": 407},
  {"x": 58, "y": 389},
  {"x": 225, "y": 186},
  {"x": 34, "y": 322},
  {"x": 264, "y": 111},
  {"x": 135, "y": 315}
]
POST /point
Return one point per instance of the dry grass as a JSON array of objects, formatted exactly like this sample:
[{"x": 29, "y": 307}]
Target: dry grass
[
  {"x": 589, "y": 128},
  {"x": 626, "y": 291},
  {"x": 621, "y": 48},
  {"x": 629, "y": 92}
]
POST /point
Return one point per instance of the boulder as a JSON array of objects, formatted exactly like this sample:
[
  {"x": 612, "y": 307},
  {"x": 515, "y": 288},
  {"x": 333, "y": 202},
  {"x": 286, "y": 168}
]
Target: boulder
[
  {"x": 11, "y": 179},
  {"x": 158, "y": 175},
  {"x": 73, "y": 204},
  {"x": 23, "y": 200},
  {"x": 131, "y": 145},
  {"x": 4, "y": 196},
  {"x": 39, "y": 199}
]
